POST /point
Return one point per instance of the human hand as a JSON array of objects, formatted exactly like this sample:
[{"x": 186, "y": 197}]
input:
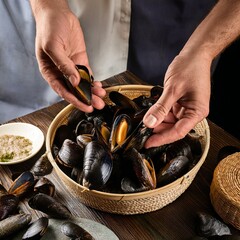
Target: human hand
[
  {"x": 60, "y": 46},
  {"x": 184, "y": 101}
]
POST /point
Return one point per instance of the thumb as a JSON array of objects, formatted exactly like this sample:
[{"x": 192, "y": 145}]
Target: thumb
[
  {"x": 65, "y": 65},
  {"x": 157, "y": 113}
]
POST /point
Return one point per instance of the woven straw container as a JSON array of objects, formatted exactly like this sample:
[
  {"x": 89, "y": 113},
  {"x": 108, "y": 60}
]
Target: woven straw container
[
  {"x": 225, "y": 189},
  {"x": 132, "y": 203}
]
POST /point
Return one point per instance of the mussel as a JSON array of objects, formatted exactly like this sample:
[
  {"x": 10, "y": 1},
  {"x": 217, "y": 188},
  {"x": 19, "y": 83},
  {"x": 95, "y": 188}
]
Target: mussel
[
  {"x": 70, "y": 154},
  {"x": 13, "y": 224},
  {"x": 97, "y": 165},
  {"x": 74, "y": 231},
  {"x": 83, "y": 90},
  {"x": 141, "y": 173},
  {"x": 22, "y": 184},
  {"x": 8, "y": 205},
  {"x": 37, "y": 229},
  {"x": 44, "y": 185},
  {"x": 42, "y": 166},
  {"x": 172, "y": 170},
  {"x": 49, "y": 206},
  {"x": 208, "y": 225}
]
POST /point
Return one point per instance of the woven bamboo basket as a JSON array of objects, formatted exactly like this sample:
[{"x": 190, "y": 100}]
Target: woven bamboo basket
[
  {"x": 225, "y": 189},
  {"x": 132, "y": 203}
]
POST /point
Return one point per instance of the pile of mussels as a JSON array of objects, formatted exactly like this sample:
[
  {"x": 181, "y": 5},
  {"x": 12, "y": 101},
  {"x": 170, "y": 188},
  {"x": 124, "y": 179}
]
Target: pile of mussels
[
  {"x": 104, "y": 150},
  {"x": 37, "y": 190}
]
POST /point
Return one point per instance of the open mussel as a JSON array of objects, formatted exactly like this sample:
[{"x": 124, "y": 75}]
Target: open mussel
[
  {"x": 22, "y": 184},
  {"x": 120, "y": 131},
  {"x": 84, "y": 127},
  {"x": 74, "y": 231},
  {"x": 48, "y": 205},
  {"x": 13, "y": 224},
  {"x": 83, "y": 90},
  {"x": 37, "y": 229},
  {"x": 140, "y": 175},
  {"x": 44, "y": 185}
]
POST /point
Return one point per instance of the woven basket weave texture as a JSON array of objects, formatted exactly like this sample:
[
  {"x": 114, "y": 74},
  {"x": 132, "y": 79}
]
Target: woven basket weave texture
[{"x": 133, "y": 203}]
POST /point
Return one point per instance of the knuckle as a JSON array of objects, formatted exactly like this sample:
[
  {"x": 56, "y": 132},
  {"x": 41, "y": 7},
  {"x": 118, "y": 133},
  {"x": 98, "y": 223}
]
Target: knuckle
[{"x": 160, "y": 109}]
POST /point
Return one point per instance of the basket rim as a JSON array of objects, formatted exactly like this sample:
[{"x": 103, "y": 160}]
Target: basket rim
[{"x": 51, "y": 132}]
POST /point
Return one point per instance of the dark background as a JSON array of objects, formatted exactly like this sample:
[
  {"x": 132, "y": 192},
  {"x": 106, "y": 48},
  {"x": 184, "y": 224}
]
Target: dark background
[{"x": 224, "y": 105}]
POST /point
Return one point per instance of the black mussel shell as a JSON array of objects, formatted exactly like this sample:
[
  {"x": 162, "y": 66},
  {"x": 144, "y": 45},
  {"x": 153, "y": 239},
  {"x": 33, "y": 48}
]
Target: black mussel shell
[
  {"x": 208, "y": 225},
  {"x": 83, "y": 90},
  {"x": 123, "y": 101},
  {"x": 174, "y": 169},
  {"x": 156, "y": 92},
  {"x": 74, "y": 231},
  {"x": 8, "y": 205},
  {"x": 132, "y": 185},
  {"x": 142, "y": 168},
  {"x": 37, "y": 229},
  {"x": 50, "y": 206},
  {"x": 42, "y": 166},
  {"x": 75, "y": 117},
  {"x": 13, "y": 224},
  {"x": 70, "y": 154},
  {"x": 84, "y": 127},
  {"x": 22, "y": 184},
  {"x": 44, "y": 185},
  {"x": 97, "y": 165},
  {"x": 63, "y": 132}
]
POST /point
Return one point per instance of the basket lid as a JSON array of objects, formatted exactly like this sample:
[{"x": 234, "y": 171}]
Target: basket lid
[{"x": 225, "y": 189}]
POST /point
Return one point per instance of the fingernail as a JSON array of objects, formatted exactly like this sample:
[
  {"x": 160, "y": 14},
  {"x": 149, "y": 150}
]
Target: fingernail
[
  {"x": 150, "y": 120},
  {"x": 72, "y": 79}
]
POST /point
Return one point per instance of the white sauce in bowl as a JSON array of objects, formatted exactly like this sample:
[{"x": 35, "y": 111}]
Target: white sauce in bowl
[{"x": 14, "y": 147}]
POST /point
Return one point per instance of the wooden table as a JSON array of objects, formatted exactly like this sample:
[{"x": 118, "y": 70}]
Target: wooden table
[{"x": 175, "y": 221}]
